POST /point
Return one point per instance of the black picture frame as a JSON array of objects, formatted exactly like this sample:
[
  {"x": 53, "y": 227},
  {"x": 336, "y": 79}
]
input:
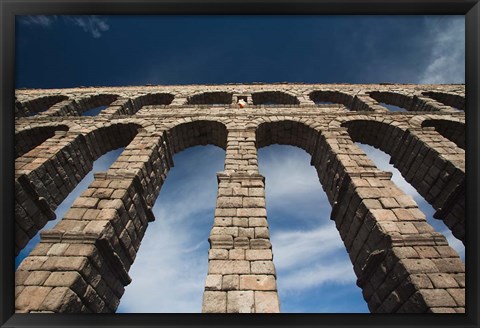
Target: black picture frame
[{"x": 10, "y": 8}]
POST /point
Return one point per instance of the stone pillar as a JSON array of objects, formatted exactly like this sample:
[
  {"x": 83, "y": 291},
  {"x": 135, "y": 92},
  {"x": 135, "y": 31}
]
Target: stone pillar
[
  {"x": 44, "y": 177},
  {"x": 402, "y": 264},
  {"x": 435, "y": 166},
  {"x": 81, "y": 265},
  {"x": 241, "y": 275}
]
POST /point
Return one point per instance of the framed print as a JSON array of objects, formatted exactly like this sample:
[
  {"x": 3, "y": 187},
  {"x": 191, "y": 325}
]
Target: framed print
[{"x": 205, "y": 163}]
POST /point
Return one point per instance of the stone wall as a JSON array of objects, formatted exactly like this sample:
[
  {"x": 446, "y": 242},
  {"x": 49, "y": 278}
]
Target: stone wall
[{"x": 82, "y": 264}]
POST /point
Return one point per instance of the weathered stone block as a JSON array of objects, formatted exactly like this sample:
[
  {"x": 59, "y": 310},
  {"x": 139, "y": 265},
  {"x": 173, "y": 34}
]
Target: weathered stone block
[
  {"x": 257, "y": 222},
  {"x": 213, "y": 282},
  {"x": 262, "y": 267},
  {"x": 236, "y": 254},
  {"x": 251, "y": 212},
  {"x": 262, "y": 232},
  {"x": 266, "y": 302},
  {"x": 240, "y": 302},
  {"x": 31, "y": 298},
  {"x": 231, "y": 282},
  {"x": 258, "y": 254},
  {"x": 218, "y": 254},
  {"x": 258, "y": 282},
  {"x": 214, "y": 302},
  {"x": 228, "y": 267}
]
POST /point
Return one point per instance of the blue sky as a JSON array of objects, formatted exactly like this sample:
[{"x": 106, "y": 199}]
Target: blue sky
[{"x": 314, "y": 275}]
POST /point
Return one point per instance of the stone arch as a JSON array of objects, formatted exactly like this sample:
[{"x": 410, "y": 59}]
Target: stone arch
[
  {"x": 152, "y": 99},
  {"x": 211, "y": 98},
  {"x": 407, "y": 102},
  {"x": 111, "y": 136},
  {"x": 86, "y": 103},
  {"x": 42, "y": 185},
  {"x": 195, "y": 133},
  {"x": 28, "y": 139},
  {"x": 382, "y": 135},
  {"x": 333, "y": 97},
  {"x": 452, "y": 130},
  {"x": 419, "y": 158},
  {"x": 37, "y": 105},
  {"x": 287, "y": 132},
  {"x": 110, "y": 218},
  {"x": 446, "y": 98},
  {"x": 375, "y": 236},
  {"x": 274, "y": 97}
]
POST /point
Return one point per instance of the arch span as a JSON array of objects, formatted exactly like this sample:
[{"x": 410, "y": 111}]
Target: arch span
[
  {"x": 86, "y": 103},
  {"x": 211, "y": 98},
  {"x": 37, "y": 105},
  {"x": 452, "y": 130},
  {"x": 419, "y": 158},
  {"x": 274, "y": 98},
  {"x": 446, "y": 98},
  {"x": 373, "y": 231},
  {"x": 28, "y": 139},
  {"x": 151, "y": 99},
  {"x": 45, "y": 180}
]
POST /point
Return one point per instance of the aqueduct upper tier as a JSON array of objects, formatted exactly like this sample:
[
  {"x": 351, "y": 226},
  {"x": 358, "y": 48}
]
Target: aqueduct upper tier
[{"x": 82, "y": 264}]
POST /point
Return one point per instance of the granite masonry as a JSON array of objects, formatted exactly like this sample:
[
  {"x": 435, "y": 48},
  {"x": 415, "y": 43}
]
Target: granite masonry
[{"x": 81, "y": 265}]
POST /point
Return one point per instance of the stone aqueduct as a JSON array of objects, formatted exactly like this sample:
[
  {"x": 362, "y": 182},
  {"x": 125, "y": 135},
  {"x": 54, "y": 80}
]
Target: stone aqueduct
[{"x": 82, "y": 264}]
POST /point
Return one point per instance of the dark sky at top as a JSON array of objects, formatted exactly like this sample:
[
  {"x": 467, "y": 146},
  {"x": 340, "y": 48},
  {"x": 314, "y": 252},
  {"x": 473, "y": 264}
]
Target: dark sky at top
[{"x": 137, "y": 50}]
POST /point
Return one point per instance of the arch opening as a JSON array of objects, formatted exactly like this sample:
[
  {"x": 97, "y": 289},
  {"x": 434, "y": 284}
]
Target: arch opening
[
  {"x": 152, "y": 99},
  {"x": 94, "y": 111},
  {"x": 211, "y": 98},
  {"x": 455, "y": 101},
  {"x": 331, "y": 97},
  {"x": 27, "y": 140},
  {"x": 299, "y": 135},
  {"x": 93, "y": 105},
  {"x": 453, "y": 131},
  {"x": 393, "y": 101},
  {"x": 187, "y": 200},
  {"x": 274, "y": 98},
  {"x": 312, "y": 265},
  {"x": 38, "y": 105},
  {"x": 173, "y": 258}
]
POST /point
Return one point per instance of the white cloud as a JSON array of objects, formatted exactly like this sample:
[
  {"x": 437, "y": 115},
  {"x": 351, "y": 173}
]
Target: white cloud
[
  {"x": 446, "y": 39},
  {"x": 169, "y": 272},
  {"x": 308, "y": 250},
  {"x": 42, "y": 20},
  {"x": 90, "y": 24},
  {"x": 297, "y": 247},
  {"x": 94, "y": 25},
  {"x": 292, "y": 185}
]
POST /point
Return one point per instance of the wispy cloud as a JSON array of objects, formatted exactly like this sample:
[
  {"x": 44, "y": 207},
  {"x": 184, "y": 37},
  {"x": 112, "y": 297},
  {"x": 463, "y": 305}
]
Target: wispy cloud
[
  {"x": 42, "y": 20},
  {"x": 90, "y": 24},
  {"x": 447, "y": 57},
  {"x": 94, "y": 25},
  {"x": 309, "y": 254},
  {"x": 171, "y": 266}
]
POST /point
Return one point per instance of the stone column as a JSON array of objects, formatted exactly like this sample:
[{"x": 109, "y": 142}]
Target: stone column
[
  {"x": 44, "y": 177},
  {"x": 241, "y": 275},
  {"x": 402, "y": 264},
  {"x": 81, "y": 265},
  {"x": 435, "y": 166}
]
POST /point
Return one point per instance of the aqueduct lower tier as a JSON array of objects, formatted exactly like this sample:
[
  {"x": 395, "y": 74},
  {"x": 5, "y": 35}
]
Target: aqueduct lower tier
[{"x": 82, "y": 264}]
